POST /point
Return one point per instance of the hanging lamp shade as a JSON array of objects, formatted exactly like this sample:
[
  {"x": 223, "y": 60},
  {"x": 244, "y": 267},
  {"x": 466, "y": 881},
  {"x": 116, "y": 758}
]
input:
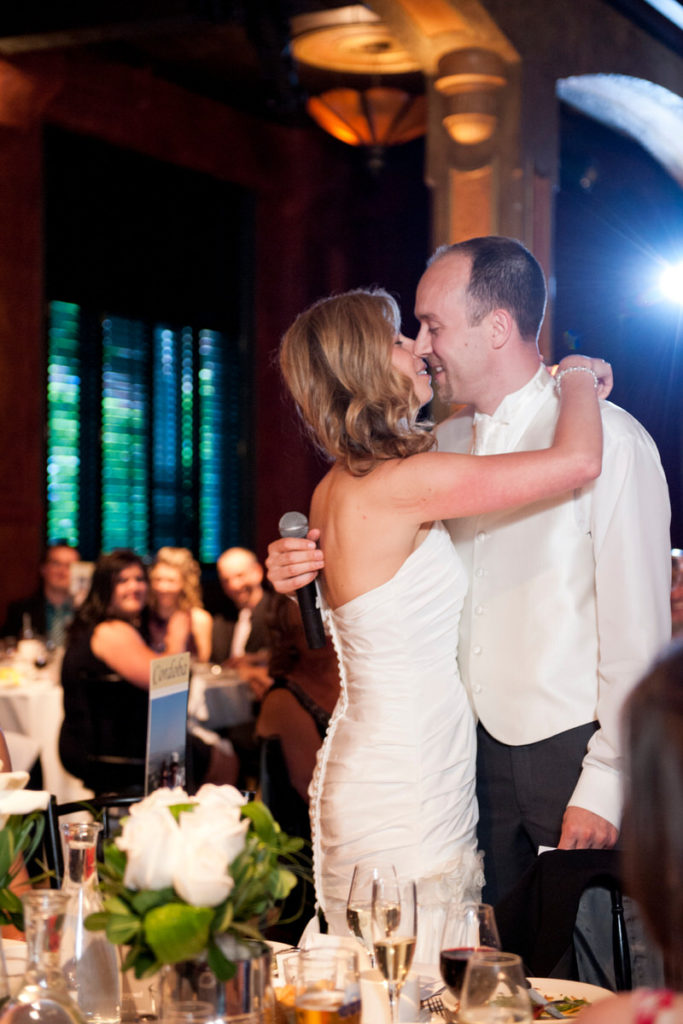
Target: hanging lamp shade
[
  {"x": 378, "y": 116},
  {"x": 364, "y": 88}
]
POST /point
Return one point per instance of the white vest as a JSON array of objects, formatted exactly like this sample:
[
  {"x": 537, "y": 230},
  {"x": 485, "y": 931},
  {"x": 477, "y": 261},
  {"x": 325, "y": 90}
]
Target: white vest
[{"x": 531, "y": 572}]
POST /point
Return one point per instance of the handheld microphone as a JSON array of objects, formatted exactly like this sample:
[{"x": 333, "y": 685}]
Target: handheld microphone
[{"x": 295, "y": 524}]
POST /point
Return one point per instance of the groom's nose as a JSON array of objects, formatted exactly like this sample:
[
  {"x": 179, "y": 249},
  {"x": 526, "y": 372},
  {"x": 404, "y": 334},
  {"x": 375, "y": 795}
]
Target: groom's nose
[{"x": 423, "y": 342}]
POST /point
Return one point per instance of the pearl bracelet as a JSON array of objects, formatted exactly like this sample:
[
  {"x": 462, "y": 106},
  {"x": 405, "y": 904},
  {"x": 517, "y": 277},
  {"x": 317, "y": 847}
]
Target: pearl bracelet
[{"x": 576, "y": 369}]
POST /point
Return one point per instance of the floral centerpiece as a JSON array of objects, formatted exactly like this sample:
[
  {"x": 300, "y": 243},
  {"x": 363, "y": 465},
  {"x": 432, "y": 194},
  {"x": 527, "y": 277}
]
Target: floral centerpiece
[
  {"x": 189, "y": 875},
  {"x": 21, "y": 830}
]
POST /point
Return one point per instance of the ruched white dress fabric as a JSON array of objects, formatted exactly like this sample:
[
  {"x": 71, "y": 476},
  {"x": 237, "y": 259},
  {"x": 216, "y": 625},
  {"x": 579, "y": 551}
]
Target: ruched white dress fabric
[{"x": 395, "y": 777}]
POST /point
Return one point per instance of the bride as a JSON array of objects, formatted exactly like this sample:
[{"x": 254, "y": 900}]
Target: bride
[{"x": 395, "y": 779}]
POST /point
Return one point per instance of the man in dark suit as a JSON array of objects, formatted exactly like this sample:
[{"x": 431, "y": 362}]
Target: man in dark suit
[
  {"x": 239, "y": 628},
  {"x": 50, "y": 608},
  {"x": 241, "y": 639}
]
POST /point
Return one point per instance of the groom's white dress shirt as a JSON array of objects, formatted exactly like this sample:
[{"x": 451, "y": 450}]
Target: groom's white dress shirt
[{"x": 569, "y": 597}]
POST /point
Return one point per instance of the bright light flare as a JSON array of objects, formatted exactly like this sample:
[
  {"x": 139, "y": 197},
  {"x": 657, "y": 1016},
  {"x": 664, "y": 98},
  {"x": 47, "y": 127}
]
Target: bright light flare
[{"x": 671, "y": 283}]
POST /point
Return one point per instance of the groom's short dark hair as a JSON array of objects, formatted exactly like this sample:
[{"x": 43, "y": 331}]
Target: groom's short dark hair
[{"x": 504, "y": 275}]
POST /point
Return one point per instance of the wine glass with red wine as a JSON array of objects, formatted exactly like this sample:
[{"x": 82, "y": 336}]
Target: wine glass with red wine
[{"x": 467, "y": 927}]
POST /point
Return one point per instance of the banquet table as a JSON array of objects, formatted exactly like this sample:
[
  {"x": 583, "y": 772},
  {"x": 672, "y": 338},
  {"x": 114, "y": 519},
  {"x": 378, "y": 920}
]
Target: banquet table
[{"x": 31, "y": 703}]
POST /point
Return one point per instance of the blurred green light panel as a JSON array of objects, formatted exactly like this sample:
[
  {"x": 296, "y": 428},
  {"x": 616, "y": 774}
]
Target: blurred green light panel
[
  {"x": 63, "y": 421},
  {"x": 172, "y": 432},
  {"x": 212, "y": 442},
  {"x": 125, "y": 434}
]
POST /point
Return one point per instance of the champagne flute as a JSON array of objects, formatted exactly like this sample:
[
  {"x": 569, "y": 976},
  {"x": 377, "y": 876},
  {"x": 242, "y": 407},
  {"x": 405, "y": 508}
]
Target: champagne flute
[
  {"x": 494, "y": 990},
  {"x": 394, "y": 933},
  {"x": 467, "y": 928},
  {"x": 359, "y": 902}
]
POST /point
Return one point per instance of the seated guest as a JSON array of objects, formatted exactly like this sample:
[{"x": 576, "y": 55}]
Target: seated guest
[
  {"x": 174, "y": 585},
  {"x": 240, "y": 641},
  {"x": 105, "y": 676},
  {"x": 50, "y": 609},
  {"x": 294, "y": 716},
  {"x": 240, "y": 632},
  {"x": 653, "y": 839}
]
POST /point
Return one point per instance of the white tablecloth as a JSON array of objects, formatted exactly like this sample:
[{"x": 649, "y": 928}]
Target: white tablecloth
[{"x": 36, "y": 709}]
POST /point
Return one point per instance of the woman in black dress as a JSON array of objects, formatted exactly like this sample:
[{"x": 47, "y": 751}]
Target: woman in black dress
[{"x": 105, "y": 677}]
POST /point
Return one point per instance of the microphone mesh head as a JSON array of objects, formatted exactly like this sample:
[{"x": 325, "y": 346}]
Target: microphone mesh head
[{"x": 293, "y": 524}]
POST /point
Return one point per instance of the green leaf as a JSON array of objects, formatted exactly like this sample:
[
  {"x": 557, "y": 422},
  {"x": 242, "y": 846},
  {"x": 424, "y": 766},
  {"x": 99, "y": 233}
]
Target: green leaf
[
  {"x": 284, "y": 882},
  {"x": 96, "y": 922},
  {"x": 114, "y": 859},
  {"x": 177, "y": 931},
  {"x": 146, "y": 899},
  {"x": 177, "y": 809},
  {"x": 223, "y": 968},
  {"x": 10, "y": 902},
  {"x": 263, "y": 821},
  {"x": 249, "y": 931},
  {"x": 121, "y": 929},
  {"x": 6, "y": 853},
  {"x": 292, "y": 844},
  {"x": 223, "y": 917},
  {"x": 146, "y": 965},
  {"x": 130, "y": 959},
  {"x": 115, "y": 905}
]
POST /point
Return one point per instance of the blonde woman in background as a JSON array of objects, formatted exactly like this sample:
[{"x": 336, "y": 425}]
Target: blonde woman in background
[{"x": 175, "y": 586}]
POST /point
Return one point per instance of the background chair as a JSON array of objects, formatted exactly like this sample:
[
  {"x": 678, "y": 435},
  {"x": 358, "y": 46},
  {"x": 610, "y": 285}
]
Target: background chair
[{"x": 536, "y": 920}]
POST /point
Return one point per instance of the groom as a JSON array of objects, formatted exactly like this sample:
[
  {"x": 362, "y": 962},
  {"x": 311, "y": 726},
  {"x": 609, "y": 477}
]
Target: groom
[{"x": 568, "y": 599}]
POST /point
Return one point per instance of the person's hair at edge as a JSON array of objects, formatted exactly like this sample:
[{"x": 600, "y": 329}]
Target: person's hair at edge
[
  {"x": 95, "y": 607},
  {"x": 336, "y": 362},
  {"x": 182, "y": 560},
  {"x": 653, "y": 817},
  {"x": 504, "y": 275}
]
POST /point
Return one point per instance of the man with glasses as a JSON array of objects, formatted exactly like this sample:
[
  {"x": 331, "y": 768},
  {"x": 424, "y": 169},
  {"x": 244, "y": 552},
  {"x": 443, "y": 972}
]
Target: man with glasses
[{"x": 50, "y": 609}]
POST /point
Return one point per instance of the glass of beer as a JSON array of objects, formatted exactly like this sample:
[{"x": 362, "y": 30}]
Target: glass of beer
[
  {"x": 284, "y": 986},
  {"x": 327, "y": 987}
]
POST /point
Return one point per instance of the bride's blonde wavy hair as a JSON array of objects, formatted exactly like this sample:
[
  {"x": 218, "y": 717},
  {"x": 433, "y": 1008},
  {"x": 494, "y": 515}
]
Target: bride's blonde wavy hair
[{"x": 336, "y": 362}]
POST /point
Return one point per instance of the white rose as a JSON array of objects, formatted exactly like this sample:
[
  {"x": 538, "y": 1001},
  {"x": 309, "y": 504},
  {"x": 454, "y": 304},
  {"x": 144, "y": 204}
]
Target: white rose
[
  {"x": 220, "y": 826},
  {"x": 225, "y": 798},
  {"x": 151, "y": 841},
  {"x": 201, "y": 876},
  {"x": 19, "y": 801},
  {"x": 163, "y": 797}
]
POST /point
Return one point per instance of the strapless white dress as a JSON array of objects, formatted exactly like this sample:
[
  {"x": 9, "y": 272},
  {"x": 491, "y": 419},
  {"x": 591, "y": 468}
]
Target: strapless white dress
[{"x": 395, "y": 777}]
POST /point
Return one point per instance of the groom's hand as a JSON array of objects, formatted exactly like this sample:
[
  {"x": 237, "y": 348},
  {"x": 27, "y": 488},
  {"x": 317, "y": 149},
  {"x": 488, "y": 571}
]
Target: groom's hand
[
  {"x": 293, "y": 562},
  {"x": 584, "y": 830}
]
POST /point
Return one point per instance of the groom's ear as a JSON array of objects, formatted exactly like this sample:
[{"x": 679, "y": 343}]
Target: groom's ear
[{"x": 502, "y": 325}]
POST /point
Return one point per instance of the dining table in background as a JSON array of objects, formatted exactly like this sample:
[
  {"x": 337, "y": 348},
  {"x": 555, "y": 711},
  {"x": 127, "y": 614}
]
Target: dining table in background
[{"x": 32, "y": 704}]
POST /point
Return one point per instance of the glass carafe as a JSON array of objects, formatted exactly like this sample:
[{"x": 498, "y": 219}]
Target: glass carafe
[
  {"x": 43, "y": 996},
  {"x": 89, "y": 961}
]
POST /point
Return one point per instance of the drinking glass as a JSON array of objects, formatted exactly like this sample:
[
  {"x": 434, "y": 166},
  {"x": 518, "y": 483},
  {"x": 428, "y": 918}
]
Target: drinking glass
[
  {"x": 359, "y": 902},
  {"x": 494, "y": 990},
  {"x": 467, "y": 927},
  {"x": 327, "y": 987},
  {"x": 394, "y": 933},
  {"x": 284, "y": 986}
]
